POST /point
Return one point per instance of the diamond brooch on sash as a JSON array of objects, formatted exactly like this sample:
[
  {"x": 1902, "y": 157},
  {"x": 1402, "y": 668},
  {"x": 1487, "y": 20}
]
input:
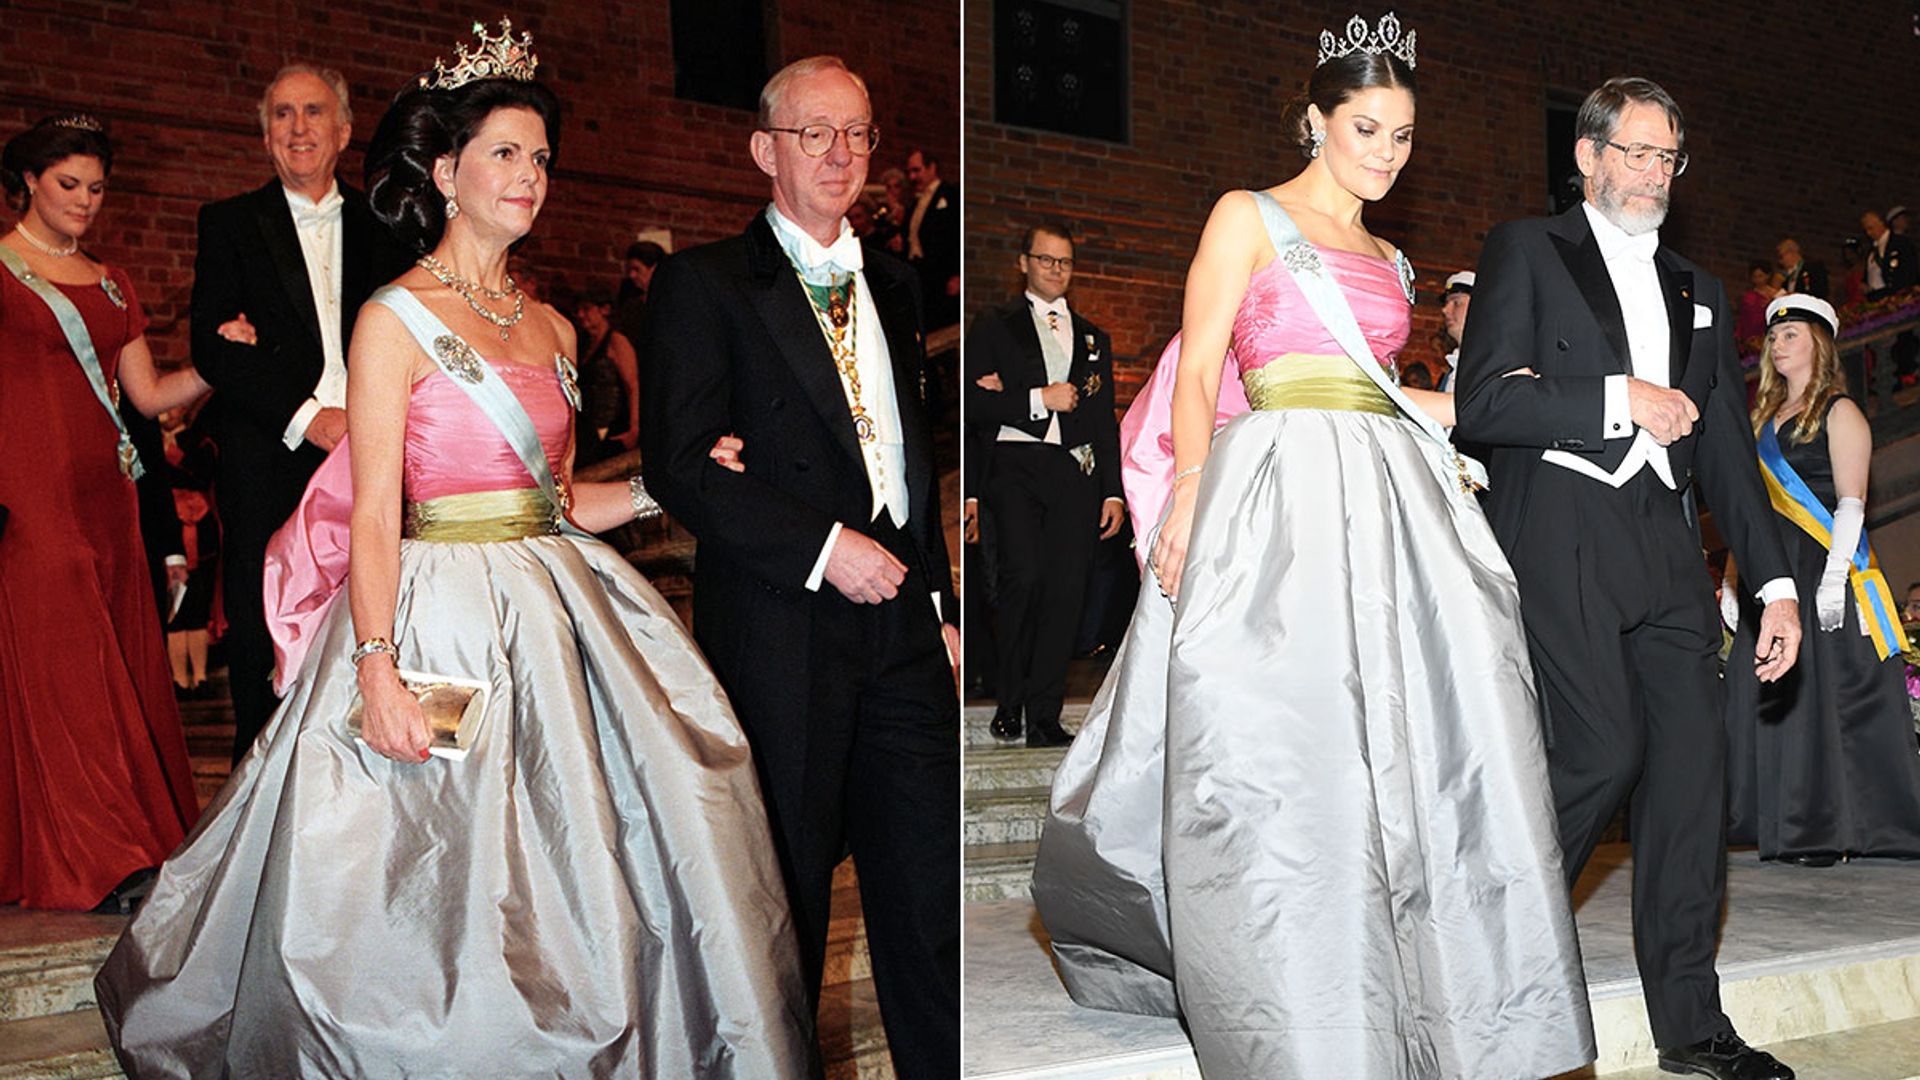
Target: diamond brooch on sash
[
  {"x": 1301, "y": 258},
  {"x": 569, "y": 379},
  {"x": 458, "y": 357},
  {"x": 113, "y": 293}
]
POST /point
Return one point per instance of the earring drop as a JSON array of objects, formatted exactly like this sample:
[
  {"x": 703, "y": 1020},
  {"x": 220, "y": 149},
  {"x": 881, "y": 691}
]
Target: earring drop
[
  {"x": 453, "y": 208},
  {"x": 1318, "y": 139}
]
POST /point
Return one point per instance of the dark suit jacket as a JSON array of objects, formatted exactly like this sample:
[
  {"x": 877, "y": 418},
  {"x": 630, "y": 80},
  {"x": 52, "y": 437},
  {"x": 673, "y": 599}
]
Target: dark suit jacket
[
  {"x": 939, "y": 245},
  {"x": 731, "y": 346},
  {"x": 1900, "y": 266},
  {"x": 1543, "y": 299},
  {"x": 249, "y": 261},
  {"x": 1810, "y": 278},
  {"x": 1005, "y": 340}
]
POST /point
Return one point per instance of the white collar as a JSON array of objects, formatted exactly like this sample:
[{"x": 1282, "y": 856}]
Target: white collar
[
  {"x": 327, "y": 204},
  {"x": 1617, "y": 243},
  {"x": 1043, "y": 306},
  {"x": 844, "y": 255}
]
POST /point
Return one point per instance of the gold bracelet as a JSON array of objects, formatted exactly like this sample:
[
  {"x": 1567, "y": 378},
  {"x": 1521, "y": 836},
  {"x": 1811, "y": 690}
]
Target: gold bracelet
[{"x": 374, "y": 645}]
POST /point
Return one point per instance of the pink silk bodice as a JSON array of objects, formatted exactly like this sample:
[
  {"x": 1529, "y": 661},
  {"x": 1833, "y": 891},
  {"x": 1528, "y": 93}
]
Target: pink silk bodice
[
  {"x": 1274, "y": 318},
  {"x": 453, "y": 449},
  {"x": 1273, "y": 321}
]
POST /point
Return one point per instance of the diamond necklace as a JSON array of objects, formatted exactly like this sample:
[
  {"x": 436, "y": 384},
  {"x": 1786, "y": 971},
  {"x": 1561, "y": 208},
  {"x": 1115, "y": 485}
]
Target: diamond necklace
[
  {"x": 466, "y": 290},
  {"x": 73, "y": 243}
]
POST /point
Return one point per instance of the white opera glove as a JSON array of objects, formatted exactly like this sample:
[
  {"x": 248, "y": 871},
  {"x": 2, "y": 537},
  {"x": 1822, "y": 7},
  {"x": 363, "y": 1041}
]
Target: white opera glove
[{"x": 1830, "y": 599}]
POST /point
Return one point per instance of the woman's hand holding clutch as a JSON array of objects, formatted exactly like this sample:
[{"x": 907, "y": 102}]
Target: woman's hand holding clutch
[{"x": 391, "y": 723}]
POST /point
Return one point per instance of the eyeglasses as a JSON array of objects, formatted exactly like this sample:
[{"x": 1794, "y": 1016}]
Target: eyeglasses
[
  {"x": 1640, "y": 155},
  {"x": 1048, "y": 262},
  {"x": 817, "y": 139}
]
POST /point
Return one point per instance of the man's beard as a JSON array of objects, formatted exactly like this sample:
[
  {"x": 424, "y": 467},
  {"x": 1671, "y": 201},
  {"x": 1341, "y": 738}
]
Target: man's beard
[{"x": 1612, "y": 203}]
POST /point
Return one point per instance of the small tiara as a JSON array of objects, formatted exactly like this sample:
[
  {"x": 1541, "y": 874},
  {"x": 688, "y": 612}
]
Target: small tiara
[
  {"x": 82, "y": 121},
  {"x": 1383, "y": 39},
  {"x": 499, "y": 56}
]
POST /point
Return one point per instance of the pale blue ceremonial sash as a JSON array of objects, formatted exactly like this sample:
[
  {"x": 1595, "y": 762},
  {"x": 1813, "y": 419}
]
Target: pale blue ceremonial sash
[
  {"x": 467, "y": 370},
  {"x": 1323, "y": 295},
  {"x": 1795, "y": 501},
  {"x": 80, "y": 342}
]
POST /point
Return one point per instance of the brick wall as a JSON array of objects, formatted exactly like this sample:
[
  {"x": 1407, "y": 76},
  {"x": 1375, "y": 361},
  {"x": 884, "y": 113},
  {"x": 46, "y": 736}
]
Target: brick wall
[
  {"x": 1797, "y": 120},
  {"x": 177, "y": 83}
]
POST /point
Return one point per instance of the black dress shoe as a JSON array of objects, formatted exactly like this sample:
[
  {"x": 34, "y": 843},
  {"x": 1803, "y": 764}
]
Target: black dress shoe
[
  {"x": 1006, "y": 723},
  {"x": 1724, "y": 1057},
  {"x": 126, "y": 896},
  {"x": 1818, "y": 860},
  {"x": 1046, "y": 731}
]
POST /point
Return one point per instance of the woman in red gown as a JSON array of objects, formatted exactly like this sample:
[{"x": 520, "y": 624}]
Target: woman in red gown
[{"x": 95, "y": 786}]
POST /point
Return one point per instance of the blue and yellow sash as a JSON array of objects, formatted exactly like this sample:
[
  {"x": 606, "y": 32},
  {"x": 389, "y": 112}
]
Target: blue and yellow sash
[
  {"x": 80, "y": 342},
  {"x": 1796, "y": 502}
]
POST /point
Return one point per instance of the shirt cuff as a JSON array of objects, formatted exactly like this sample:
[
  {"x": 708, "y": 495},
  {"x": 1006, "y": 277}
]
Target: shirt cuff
[
  {"x": 176, "y": 560},
  {"x": 820, "y": 564},
  {"x": 1780, "y": 588},
  {"x": 296, "y": 432},
  {"x": 1618, "y": 417},
  {"x": 1035, "y": 409}
]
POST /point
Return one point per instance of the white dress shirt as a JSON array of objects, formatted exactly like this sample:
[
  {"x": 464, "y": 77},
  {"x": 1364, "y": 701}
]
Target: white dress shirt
[
  {"x": 1649, "y": 346},
  {"x": 885, "y": 457},
  {"x": 1062, "y": 330},
  {"x": 318, "y": 226},
  {"x": 920, "y": 205}
]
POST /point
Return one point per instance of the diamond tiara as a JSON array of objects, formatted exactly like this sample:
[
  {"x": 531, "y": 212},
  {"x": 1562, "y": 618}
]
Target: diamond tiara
[
  {"x": 1384, "y": 38},
  {"x": 82, "y": 121},
  {"x": 498, "y": 56}
]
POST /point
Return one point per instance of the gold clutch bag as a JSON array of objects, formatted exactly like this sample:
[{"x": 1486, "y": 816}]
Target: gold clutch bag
[{"x": 454, "y": 707}]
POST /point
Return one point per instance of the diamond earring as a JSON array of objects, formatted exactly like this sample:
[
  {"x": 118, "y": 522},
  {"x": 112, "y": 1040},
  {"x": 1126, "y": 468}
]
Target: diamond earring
[
  {"x": 1317, "y": 139},
  {"x": 453, "y": 207}
]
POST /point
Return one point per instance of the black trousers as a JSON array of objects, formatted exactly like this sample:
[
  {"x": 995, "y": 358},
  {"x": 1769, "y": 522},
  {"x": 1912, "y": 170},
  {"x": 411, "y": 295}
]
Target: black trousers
[
  {"x": 1047, "y": 516},
  {"x": 881, "y": 782},
  {"x": 1621, "y": 621},
  {"x": 249, "y": 647}
]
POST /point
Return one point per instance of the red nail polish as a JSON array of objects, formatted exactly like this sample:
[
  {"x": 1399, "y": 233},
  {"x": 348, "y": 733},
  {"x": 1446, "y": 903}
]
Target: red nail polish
[{"x": 425, "y": 754}]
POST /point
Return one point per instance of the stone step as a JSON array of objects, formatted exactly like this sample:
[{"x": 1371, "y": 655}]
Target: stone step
[
  {"x": 847, "y": 959},
  {"x": 978, "y": 719},
  {"x": 1006, "y": 816},
  {"x": 999, "y": 871},
  {"x": 47, "y": 960},
  {"x": 1011, "y": 768},
  {"x": 852, "y": 1042},
  {"x": 64, "y": 1046}
]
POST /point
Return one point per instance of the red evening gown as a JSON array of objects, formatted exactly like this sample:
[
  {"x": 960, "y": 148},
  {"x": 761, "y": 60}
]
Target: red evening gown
[{"x": 94, "y": 778}]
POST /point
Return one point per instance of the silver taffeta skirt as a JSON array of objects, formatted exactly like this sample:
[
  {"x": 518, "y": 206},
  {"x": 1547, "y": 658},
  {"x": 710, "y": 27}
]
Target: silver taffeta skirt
[
  {"x": 591, "y": 893},
  {"x": 1309, "y": 810}
]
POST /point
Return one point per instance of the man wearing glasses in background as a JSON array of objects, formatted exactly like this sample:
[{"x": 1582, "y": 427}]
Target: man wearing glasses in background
[
  {"x": 1051, "y": 476},
  {"x": 823, "y": 596},
  {"x": 1600, "y": 368}
]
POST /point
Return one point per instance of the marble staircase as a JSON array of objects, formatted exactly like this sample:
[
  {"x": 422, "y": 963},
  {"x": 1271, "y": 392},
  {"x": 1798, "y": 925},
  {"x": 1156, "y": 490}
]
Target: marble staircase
[{"x": 1005, "y": 804}]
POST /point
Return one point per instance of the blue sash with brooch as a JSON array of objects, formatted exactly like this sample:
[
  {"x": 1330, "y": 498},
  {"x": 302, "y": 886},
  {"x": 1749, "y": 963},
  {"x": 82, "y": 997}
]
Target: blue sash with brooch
[{"x": 80, "y": 342}]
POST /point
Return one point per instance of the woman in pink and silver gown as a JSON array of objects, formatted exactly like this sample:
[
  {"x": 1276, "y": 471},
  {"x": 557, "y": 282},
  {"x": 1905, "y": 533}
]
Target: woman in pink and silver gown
[
  {"x": 592, "y": 892},
  {"x": 1309, "y": 810}
]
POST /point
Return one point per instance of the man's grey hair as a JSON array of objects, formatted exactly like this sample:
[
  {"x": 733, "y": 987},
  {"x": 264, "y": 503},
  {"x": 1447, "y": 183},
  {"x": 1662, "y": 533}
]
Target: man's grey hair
[
  {"x": 334, "y": 80},
  {"x": 775, "y": 91},
  {"x": 1600, "y": 114}
]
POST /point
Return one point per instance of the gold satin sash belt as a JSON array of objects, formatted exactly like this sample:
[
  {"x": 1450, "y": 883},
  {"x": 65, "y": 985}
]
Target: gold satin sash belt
[
  {"x": 1305, "y": 381},
  {"x": 482, "y": 517}
]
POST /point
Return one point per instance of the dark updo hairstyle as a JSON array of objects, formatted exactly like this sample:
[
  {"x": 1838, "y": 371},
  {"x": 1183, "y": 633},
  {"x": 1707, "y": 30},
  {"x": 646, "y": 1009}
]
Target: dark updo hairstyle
[
  {"x": 52, "y": 140},
  {"x": 1338, "y": 80},
  {"x": 424, "y": 125}
]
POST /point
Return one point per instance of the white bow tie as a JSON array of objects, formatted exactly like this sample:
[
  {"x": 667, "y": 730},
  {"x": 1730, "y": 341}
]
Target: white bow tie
[
  {"x": 325, "y": 212},
  {"x": 1639, "y": 247},
  {"x": 821, "y": 265}
]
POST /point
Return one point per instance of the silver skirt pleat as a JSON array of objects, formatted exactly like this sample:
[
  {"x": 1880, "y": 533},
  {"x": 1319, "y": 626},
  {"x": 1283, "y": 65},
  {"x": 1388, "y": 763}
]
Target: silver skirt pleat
[
  {"x": 1309, "y": 810},
  {"x": 591, "y": 893}
]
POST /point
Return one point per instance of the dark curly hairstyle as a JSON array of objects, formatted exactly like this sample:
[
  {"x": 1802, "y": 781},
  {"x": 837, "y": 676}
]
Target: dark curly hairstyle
[
  {"x": 45, "y": 143},
  {"x": 424, "y": 125},
  {"x": 1338, "y": 80}
]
